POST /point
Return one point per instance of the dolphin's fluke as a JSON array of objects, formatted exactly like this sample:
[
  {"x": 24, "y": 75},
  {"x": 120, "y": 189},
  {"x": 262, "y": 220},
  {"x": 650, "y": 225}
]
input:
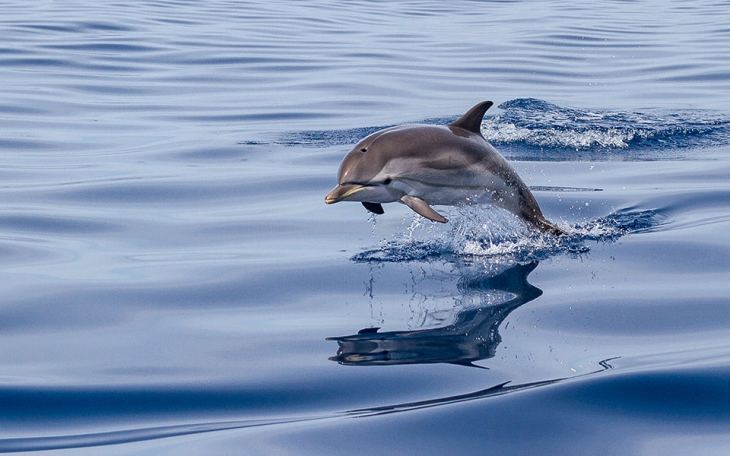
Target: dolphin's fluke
[
  {"x": 472, "y": 119},
  {"x": 421, "y": 207},
  {"x": 375, "y": 208}
]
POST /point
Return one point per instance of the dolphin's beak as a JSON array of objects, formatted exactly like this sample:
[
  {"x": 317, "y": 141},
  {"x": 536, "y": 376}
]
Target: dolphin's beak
[{"x": 341, "y": 192}]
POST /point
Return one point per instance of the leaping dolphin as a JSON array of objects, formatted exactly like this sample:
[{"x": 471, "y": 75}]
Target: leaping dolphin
[{"x": 425, "y": 165}]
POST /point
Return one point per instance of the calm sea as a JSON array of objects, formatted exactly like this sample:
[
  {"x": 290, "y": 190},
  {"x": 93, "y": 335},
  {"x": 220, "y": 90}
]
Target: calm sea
[{"x": 173, "y": 283}]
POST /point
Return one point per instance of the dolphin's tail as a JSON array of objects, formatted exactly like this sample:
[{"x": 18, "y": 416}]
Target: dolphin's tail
[
  {"x": 543, "y": 225},
  {"x": 529, "y": 210}
]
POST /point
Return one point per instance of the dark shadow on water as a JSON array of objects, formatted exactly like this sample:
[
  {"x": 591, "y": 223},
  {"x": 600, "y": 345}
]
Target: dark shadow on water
[
  {"x": 496, "y": 390},
  {"x": 473, "y": 336}
]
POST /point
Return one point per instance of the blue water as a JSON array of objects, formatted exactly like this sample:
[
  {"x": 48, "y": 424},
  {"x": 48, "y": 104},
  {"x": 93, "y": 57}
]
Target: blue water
[{"x": 173, "y": 283}]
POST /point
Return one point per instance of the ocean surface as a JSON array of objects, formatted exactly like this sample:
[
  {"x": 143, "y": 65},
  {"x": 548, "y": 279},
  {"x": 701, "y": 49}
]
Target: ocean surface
[{"x": 173, "y": 283}]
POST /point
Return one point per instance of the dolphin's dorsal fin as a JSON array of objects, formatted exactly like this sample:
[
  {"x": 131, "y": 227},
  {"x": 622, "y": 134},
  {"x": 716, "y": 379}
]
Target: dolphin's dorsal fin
[{"x": 472, "y": 119}]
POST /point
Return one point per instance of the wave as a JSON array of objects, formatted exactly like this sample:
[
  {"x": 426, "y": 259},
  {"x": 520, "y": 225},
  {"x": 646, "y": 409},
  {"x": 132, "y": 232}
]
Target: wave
[
  {"x": 534, "y": 129},
  {"x": 531, "y": 123},
  {"x": 72, "y": 441}
]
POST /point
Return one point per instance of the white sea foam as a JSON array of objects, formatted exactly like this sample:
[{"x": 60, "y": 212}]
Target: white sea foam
[
  {"x": 498, "y": 131},
  {"x": 541, "y": 124}
]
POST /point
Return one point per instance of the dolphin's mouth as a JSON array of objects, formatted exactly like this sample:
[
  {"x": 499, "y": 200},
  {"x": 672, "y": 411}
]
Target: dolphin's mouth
[{"x": 342, "y": 191}]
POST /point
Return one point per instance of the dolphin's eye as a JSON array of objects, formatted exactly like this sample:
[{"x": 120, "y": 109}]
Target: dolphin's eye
[
  {"x": 387, "y": 180},
  {"x": 363, "y": 150}
]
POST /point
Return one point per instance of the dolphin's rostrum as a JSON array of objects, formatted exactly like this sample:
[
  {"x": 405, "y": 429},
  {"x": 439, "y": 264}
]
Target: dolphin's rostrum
[{"x": 425, "y": 165}]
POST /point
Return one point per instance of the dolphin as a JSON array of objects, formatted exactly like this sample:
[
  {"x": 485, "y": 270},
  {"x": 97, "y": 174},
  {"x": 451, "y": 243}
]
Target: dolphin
[{"x": 426, "y": 165}]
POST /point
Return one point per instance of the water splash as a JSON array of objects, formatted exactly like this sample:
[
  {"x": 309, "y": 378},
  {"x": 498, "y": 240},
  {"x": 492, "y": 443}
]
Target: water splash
[{"x": 479, "y": 235}]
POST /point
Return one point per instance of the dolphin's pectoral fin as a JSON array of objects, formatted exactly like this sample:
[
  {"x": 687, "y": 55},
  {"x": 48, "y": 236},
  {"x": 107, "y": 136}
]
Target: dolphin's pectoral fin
[
  {"x": 375, "y": 208},
  {"x": 421, "y": 207}
]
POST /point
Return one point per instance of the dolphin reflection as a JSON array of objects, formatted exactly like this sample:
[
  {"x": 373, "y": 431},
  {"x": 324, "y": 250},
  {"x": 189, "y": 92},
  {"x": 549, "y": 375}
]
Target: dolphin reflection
[{"x": 473, "y": 335}]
